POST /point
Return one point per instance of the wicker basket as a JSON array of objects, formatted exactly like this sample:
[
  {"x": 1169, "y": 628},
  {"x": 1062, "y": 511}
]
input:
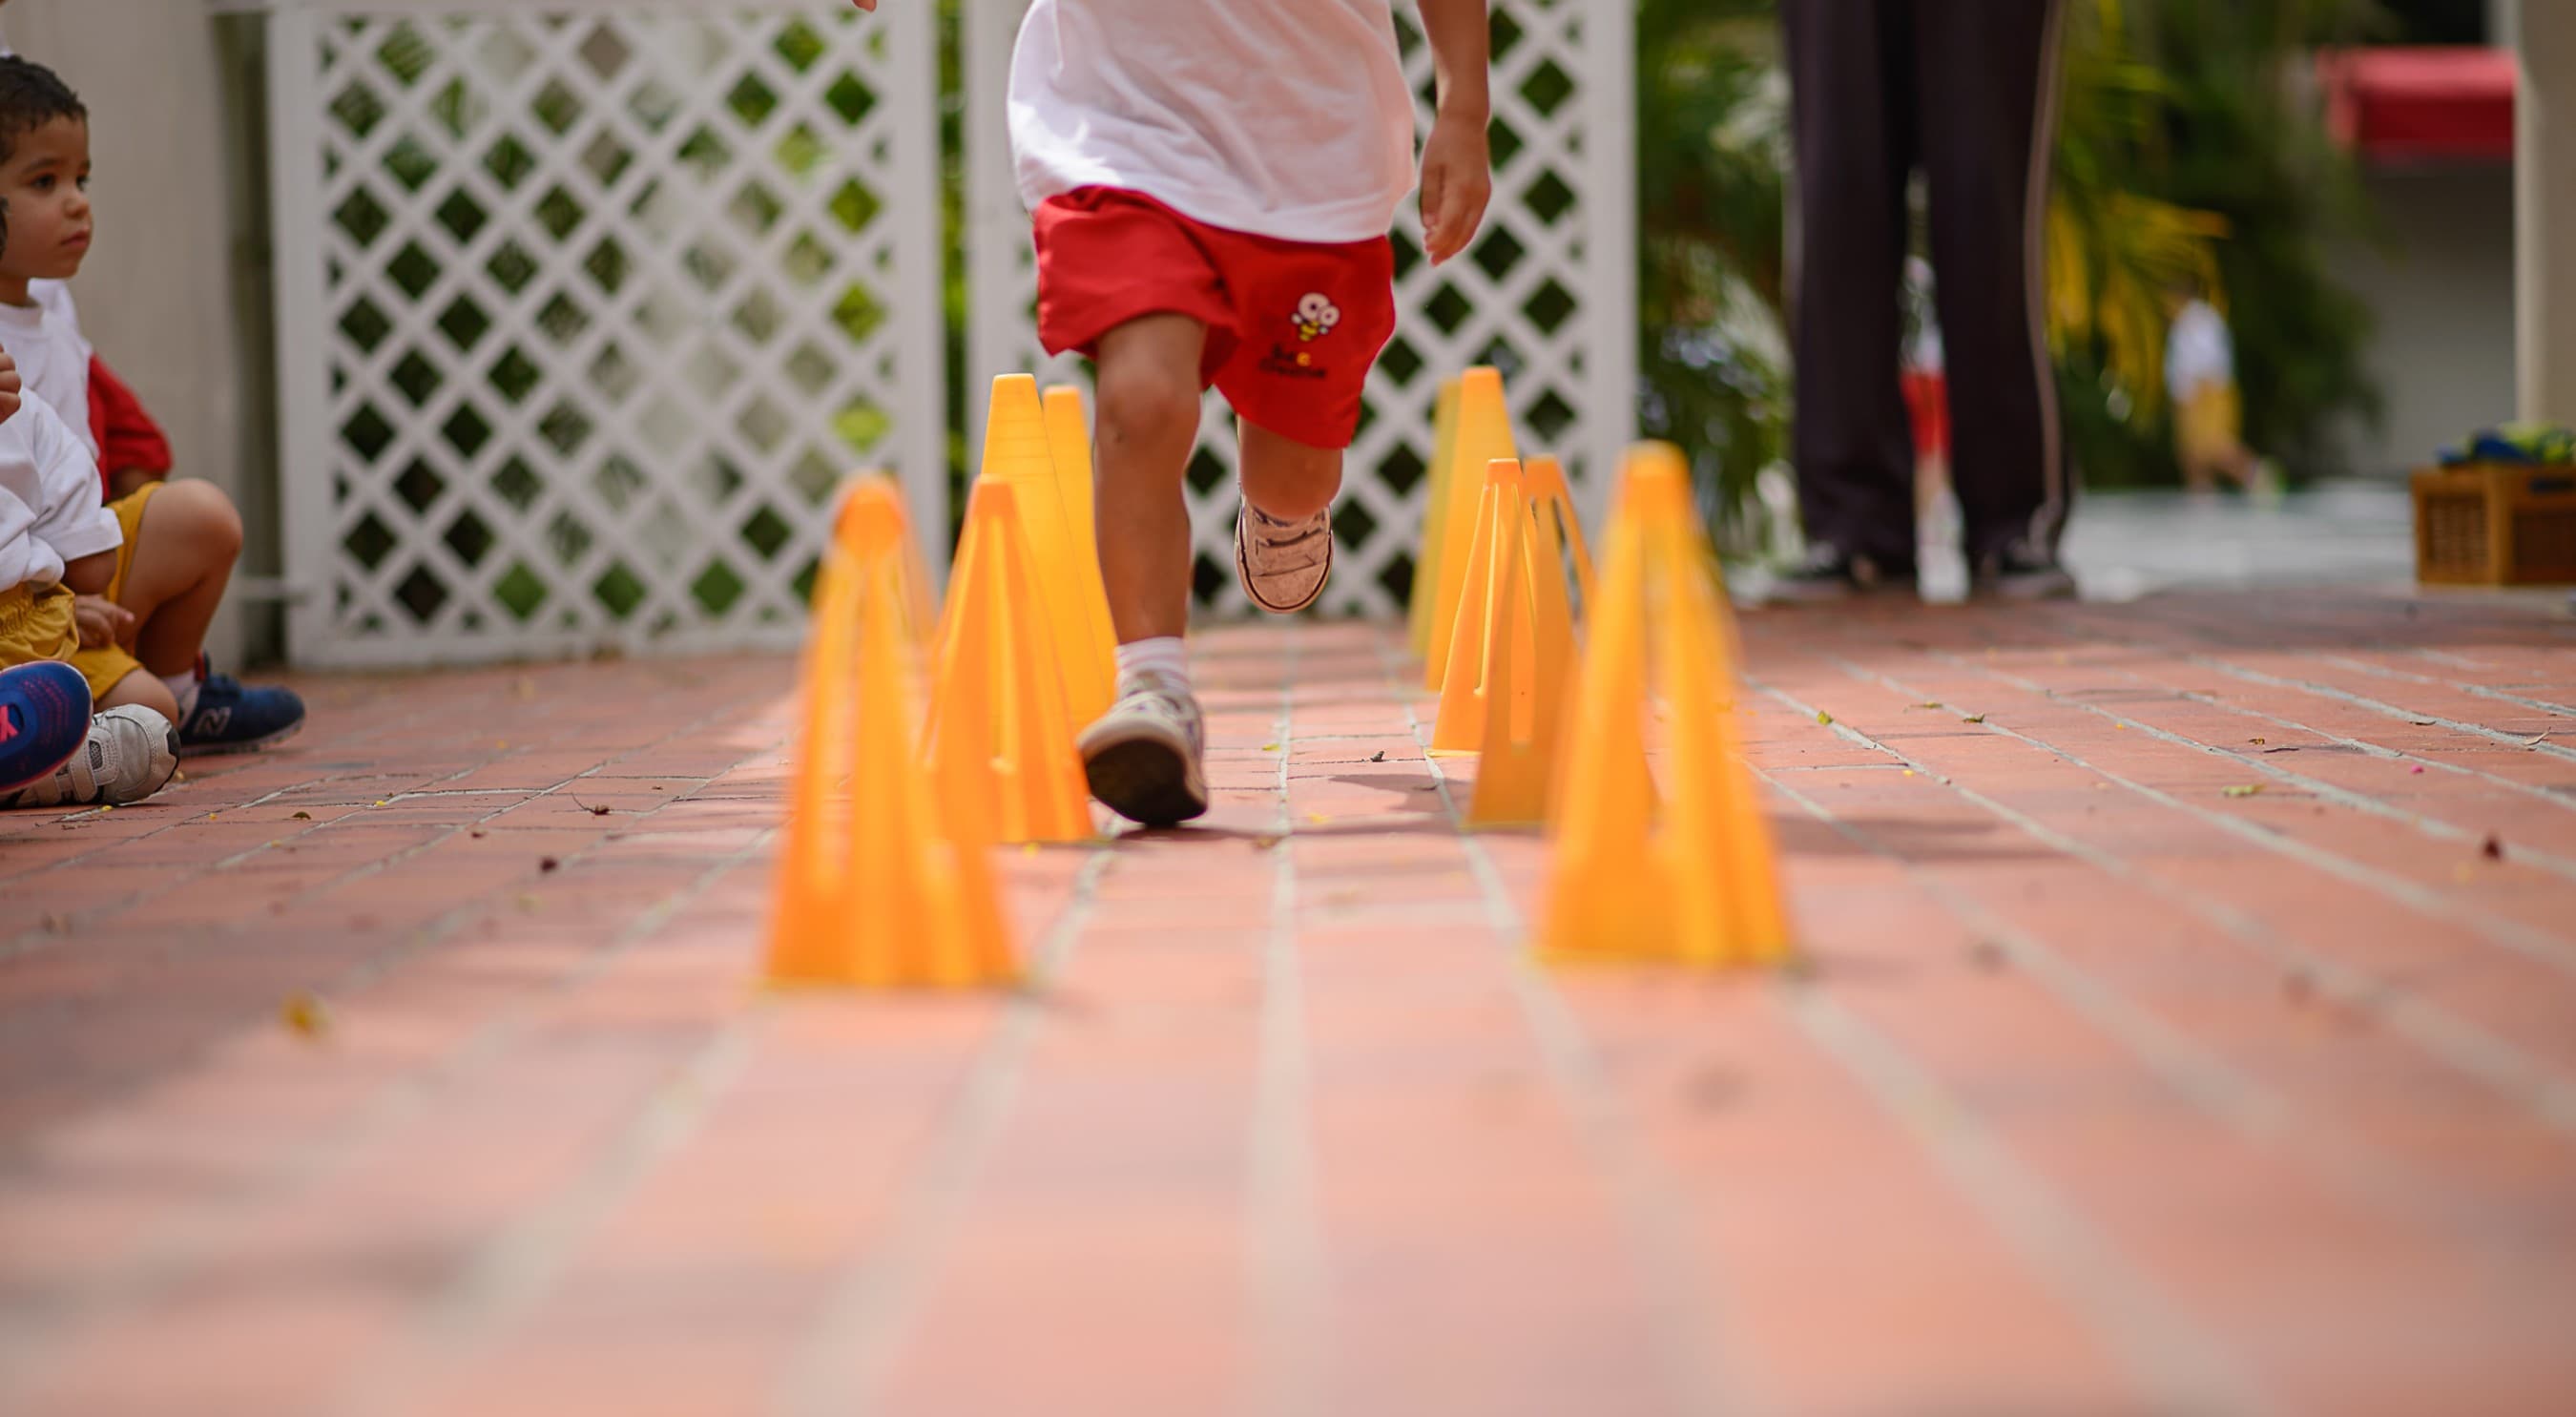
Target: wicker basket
[{"x": 2496, "y": 524}]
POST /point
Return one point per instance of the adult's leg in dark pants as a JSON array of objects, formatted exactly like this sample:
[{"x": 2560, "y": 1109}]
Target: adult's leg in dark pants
[
  {"x": 1987, "y": 72},
  {"x": 1852, "y": 115}
]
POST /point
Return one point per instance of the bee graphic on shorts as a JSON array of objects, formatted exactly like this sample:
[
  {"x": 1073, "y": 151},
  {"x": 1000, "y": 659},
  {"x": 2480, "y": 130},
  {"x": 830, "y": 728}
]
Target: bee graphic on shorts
[{"x": 1315, "y": 317}]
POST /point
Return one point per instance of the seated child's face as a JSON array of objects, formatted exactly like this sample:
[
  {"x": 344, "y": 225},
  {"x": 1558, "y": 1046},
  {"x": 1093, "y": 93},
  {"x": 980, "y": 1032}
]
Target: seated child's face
[{"x": 46, "y": 186}]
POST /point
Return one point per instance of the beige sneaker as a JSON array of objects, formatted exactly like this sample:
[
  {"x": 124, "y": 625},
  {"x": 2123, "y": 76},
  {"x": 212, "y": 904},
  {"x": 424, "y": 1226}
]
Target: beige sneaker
[
  {"x": 1144, "y": 757},
  {"x": 1283, "y": 565},
  {"x": 131, "y": 754}
]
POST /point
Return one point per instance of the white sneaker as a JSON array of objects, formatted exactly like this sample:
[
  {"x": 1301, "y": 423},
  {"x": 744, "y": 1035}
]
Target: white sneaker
[
  {"x": 1283, "y": 565},
  {"x": 1144, "y": 757},
  {"x": 131, "y": 754}
]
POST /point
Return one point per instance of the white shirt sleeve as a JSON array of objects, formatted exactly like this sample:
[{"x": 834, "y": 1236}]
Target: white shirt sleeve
[{"x": 74, "y": 520}]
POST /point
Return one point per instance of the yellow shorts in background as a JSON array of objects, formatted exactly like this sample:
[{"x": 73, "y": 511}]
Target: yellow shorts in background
[
  {"x": 2210, "y": 424},
  {"x": 107, "y": 667},
  {"x": 36, "y": 624}
]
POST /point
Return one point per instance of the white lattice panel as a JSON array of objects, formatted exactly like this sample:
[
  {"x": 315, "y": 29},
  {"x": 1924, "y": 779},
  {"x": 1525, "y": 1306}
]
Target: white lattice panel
[
  {"x": 1548, "y": 293},
  {"x": 585, "y": 310}
]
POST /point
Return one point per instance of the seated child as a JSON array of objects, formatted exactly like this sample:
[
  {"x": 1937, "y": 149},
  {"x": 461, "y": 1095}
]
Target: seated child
[
  {"x": 55, "y": 538},
  {"x": 1212, "y": 184},
  {"x": 142, "y": 634}
]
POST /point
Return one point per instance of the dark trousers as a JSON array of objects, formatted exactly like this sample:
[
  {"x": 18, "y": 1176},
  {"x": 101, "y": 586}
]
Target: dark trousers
[{"x": 1965, "y": 90}]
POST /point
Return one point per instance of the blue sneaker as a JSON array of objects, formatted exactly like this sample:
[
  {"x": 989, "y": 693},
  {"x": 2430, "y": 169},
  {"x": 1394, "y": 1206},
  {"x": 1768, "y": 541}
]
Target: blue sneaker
[
  {"x": 44, "y": 718},
  {"x": 229, "y": 718}
]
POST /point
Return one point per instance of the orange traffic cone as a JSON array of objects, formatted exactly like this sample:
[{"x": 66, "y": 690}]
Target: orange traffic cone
[
  {"x": 1000, "y": 735},
  {"x": 879, "y": 884},
  {"x": 1069, "y": 435},
  {"x": 1435, "y": 508},
  {"x": 1484, "y": 435},
  {"x": 1019, "y": 451},
  {"x": 1528, "y": 663},
  {"x": 1544, "y": 479},
  {"x": 1700, "y": 887},
  {"x": 1464, "y": 689}
]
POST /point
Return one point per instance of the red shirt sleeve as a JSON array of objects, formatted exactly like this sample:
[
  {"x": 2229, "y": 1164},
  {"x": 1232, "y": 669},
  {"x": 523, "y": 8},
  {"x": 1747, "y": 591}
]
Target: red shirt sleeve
[{"x": 128, "y": 439}]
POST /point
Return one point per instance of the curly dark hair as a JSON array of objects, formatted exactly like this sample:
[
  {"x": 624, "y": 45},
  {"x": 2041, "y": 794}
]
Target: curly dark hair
[{"x": 32, "y": 96}]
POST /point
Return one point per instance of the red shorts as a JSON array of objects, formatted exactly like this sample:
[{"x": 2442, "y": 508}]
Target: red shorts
[
  {"x": 1927, "y": 398},
  {"x": 1292, "y": 327}
]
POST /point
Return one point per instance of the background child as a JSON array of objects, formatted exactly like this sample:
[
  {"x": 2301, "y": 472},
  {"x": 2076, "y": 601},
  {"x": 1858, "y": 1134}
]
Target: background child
[
  {"x": 2200, "y": 377},
  {"x": 143, "y": 632},
  {"x": 1212, "y": 183},
  {"x": 55, "y": 540}
]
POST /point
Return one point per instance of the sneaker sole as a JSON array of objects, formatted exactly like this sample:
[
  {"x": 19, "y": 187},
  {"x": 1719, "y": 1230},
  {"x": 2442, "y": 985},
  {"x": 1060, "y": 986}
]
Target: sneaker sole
[
  {"x": 1145, "y": 780},
  {"x": 247, "y": 745},
  {"x": 1243, "y": 574}
]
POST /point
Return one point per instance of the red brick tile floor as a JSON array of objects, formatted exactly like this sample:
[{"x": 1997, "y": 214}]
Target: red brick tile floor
[{"x": 419, "y": 1066}]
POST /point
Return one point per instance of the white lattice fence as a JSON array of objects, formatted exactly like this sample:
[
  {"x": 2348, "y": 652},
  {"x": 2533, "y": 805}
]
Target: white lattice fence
[
  {"x": 1547, "y": 293},
  {"x": 585, "y": 309}
]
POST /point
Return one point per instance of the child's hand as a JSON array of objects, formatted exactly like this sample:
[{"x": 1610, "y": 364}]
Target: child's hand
[
  {"x": 1457, "y": 182},
  {"x": 12, "y": 387},
  {"x": 102, "y": 621}
]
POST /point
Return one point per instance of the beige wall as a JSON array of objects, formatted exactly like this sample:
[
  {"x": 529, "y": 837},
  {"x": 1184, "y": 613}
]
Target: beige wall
[
  {"x": 2438, "y": 275},
  {"x": 156, "y": 295}
]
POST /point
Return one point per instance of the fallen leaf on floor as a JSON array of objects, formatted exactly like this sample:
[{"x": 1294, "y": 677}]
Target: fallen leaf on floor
[
  {"x": 1926, "y": 704},
  {"x": 2492, "y": 848},
  {"x": 1909, "y": 772},
  {"x": 1266, "y": 843},
  {"x": 1824, "y": 718},
  {"x": 53, "y": 924},
  {"x": 478, "y": 833},
  {"x": 1270, "y": 747},
  {"x": 1974, "y": 718},
  {"x": 1379, "y": 756},
  {"x": 657, "y": 787},
  {"x": 2419, "y": 767},
  {"x": 382, "y": 800},
  {"x": 2421, "y": 722},
  {"x": 2257, "y": 742},
  {"x": 2244, "y": 789},
  {"x": 304, "y": 816},
  {"x": 210, "y": 816},
  {"x": 305, "y": 1015},
  {"x": 530, "y": 904},
  {"x": 1317, "y": 818},
  {"x": 2535, "y": 741},
  {"x": 547, "y": 865},
  {"x": 599, "y": 811}
]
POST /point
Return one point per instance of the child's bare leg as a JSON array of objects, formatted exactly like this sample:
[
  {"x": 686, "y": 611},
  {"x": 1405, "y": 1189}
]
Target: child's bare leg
[
  {"x": 183, "y": 560},
  {"x": 1286, "y": 478},
  {"x": 1149, "y": 422},
  {"x": 143, "y": 688}
]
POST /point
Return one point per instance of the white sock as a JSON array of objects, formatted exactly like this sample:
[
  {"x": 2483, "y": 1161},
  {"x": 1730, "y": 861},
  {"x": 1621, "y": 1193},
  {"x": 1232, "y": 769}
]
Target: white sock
[
  {"x": 1165, "y": 655},
  {"x": 184, "y": 689}
]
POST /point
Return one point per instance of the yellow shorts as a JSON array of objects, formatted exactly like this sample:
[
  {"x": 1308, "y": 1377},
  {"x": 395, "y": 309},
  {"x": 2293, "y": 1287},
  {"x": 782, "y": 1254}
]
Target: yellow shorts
[
  {"x": 36, "y": 624},
  {"x": 2209, "y": 424},
  {"x": 106, "y": 667}
]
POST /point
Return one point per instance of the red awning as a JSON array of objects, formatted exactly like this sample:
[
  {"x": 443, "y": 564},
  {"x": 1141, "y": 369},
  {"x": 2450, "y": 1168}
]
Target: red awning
[{"x": 2430, "y": 104}]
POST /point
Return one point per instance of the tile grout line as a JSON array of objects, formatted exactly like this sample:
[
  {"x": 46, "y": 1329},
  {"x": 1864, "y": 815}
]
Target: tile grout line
[
  {"x": 2256, "y": 1112},
  {"x": 850, "y": 1346},
  {"x": 2531, "y": 944},
  {"x": 2342, "y": 796},
  {"x": 1290, "y": 1294},
  {"x": 1690, "y": 1337},
  {"x": 2459, "y": 1043},
  {"x": 179, "y": 1245}
]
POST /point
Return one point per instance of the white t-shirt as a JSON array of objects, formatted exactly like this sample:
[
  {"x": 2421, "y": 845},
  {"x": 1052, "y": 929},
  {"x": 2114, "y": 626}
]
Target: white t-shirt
[
  {"x": 45, "y": 471},
  {"x": 1282, "y": 118},
  {"x": 2198, "y": 350},
  {"x": 53, "y": 356}
]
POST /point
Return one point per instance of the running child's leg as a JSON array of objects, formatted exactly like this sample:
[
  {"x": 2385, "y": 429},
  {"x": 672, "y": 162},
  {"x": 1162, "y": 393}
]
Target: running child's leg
[
  {"x": 1144, "y": 758},
  {"x": 1283, "y": 542},
  {"x": 1148, "y": 424}
]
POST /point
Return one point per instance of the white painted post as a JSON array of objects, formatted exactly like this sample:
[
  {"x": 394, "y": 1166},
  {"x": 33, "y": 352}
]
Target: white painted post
[{"x": 2545, "y": 212}]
